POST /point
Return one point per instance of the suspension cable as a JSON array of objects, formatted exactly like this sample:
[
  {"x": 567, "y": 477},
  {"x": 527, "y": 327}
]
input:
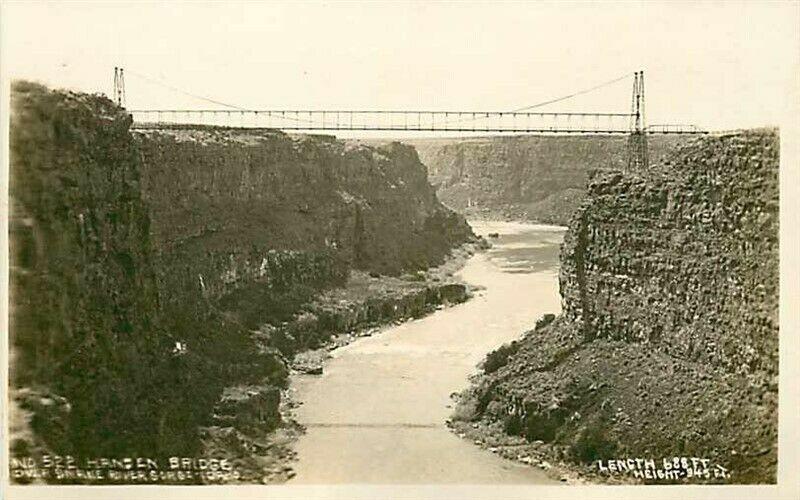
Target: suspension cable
[
  {"x": 585, "y": 91},
  {"x": 176, "y": 89}
]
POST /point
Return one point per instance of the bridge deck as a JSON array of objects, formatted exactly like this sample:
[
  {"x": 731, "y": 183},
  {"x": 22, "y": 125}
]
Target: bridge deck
[
  {"x": 405, "y": 121},
  {"x": 575, "y": 131}
]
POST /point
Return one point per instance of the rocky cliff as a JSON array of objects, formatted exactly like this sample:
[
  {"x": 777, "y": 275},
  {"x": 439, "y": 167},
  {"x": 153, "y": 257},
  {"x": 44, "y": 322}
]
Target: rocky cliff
[
  {"x": 229, "y": 189},
  {"x": 668, "y": 341},
  {"x": 151, "y": 270},
  {"x": 261, "y": 221},
  {"x": 527, "y": 178},
  {"x": 85, "y": 332}
]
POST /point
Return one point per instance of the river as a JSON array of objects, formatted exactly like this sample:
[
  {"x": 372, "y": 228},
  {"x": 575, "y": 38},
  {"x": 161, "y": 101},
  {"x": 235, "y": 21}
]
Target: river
[{"x": 377, "y": 414}]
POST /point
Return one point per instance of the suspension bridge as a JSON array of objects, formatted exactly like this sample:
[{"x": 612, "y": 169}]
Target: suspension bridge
[{"x": 522, "y": 121}]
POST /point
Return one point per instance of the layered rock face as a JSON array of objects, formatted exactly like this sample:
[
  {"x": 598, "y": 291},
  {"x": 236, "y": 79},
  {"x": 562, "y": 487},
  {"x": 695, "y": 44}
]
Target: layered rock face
[
  {"x": 668, "y": 340},
  {"x": 145, "y": 267},
  {"x": 259, "y": 222},
  {"x": 529, "y": 178},
  {"x": 684, "y": 256},
  {"x": 83, "y": 296},
  {"x": 239, "y": 190}
]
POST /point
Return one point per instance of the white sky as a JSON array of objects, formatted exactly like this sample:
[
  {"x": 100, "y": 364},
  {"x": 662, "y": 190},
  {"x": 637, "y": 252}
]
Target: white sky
[{"x": 717, "y": 65}]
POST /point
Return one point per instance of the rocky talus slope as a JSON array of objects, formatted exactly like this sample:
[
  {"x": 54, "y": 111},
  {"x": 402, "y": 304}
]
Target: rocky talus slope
[
  {"x": 668, "y": 340},
  {"x": 158, "y": 278},
  {"x": 526, "y": 178}
]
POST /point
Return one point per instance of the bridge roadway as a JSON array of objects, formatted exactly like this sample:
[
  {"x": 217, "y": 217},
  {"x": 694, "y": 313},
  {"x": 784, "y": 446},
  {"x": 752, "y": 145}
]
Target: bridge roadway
[{"x": 406, "y": 121}]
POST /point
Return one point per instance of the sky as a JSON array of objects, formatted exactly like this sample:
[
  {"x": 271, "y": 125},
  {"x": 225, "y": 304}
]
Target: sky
[{"x": 716, "y": 65}]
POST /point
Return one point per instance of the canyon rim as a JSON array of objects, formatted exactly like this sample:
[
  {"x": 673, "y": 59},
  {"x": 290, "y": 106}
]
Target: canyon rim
[{"x": 382, "y": 257}]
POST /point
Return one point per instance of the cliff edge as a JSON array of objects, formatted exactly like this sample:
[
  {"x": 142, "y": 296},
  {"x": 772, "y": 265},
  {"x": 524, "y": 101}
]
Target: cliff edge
[
  {"x": 162, "y": 281},
  {"x": 667, "y": 345},
  {"x": 535, "y": 178}
]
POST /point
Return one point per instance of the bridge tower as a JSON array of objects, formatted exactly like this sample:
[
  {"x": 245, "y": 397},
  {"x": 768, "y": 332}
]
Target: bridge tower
[
  {"x": 119, "y": 86},
  {"x": 637, "y": 141}
]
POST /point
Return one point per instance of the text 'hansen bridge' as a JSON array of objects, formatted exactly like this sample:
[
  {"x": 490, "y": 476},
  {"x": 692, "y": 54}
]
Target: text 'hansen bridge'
[{"x": 521, "y": 120}]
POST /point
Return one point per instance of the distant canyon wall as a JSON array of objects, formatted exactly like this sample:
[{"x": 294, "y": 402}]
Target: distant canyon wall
[{"x": 526, "y": 178}]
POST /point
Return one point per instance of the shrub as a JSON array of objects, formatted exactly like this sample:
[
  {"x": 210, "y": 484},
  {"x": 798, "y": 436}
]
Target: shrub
[
  {"x": 593, "y": 444},
  {"x": 499, "y": 357}
]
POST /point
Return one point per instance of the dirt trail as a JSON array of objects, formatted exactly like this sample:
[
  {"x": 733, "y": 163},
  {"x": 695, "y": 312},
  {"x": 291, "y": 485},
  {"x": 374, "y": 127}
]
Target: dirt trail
[{"x": 378, "y": 413}]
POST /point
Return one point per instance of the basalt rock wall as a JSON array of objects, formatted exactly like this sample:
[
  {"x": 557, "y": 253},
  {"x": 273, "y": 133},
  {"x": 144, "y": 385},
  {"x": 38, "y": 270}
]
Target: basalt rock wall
[
  {"x": 258, "y": 221},
  {"x": 683, "y": 256},
  {"x": 144, "y": 263},
  {"x": 92, "y": 364},
  {"x": 227, "y": 190},
  {"x": 668, "y": 341},
  {"x": 528, "y": 178}
]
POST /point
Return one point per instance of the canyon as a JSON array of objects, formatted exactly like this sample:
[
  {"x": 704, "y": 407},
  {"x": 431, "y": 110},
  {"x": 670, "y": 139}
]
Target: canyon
[
  {"x": 667, "y": 345},
  {"x": 536, "y": 178},
  {"x": 163, "y": 281},
  {"x": 171, "y": 288}
]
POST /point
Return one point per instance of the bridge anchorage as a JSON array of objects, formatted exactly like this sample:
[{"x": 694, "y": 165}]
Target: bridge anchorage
[{"x": 520, "y": 121}]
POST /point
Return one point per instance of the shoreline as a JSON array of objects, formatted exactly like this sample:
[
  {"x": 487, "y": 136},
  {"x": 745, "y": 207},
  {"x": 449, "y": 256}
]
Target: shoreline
[
  {"x": 275, "y": 454},
  {"x": 501, "y": 280},
  {"x": 490, "y": 437}
]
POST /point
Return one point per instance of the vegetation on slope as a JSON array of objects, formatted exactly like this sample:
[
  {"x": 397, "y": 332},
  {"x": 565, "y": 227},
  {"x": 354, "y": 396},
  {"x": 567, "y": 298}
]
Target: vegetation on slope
[{"x": 668, "y": 342}]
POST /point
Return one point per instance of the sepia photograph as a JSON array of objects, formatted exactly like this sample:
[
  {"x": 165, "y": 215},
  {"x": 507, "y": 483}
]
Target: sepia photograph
[{"x": 400, "y": 249}]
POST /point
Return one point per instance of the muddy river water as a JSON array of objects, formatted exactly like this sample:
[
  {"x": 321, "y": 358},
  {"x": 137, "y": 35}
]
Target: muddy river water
[{"x": 377, "y": 414}]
